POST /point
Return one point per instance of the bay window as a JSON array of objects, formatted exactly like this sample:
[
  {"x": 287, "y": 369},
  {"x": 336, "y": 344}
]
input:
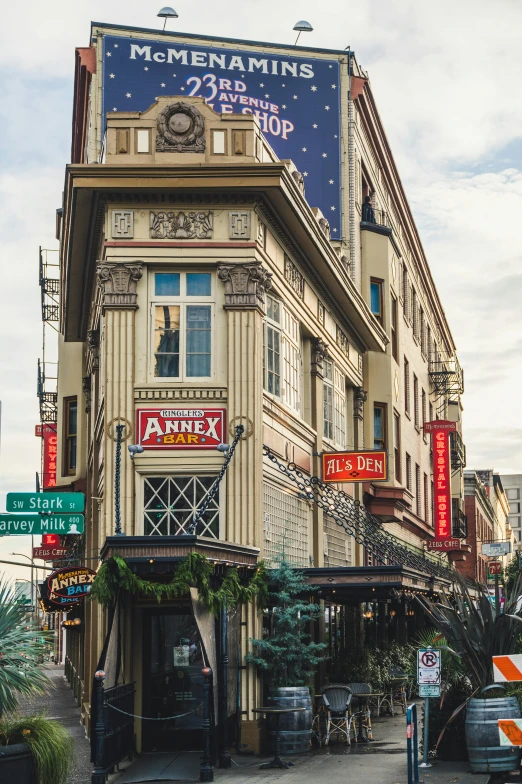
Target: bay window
[
  {"x": 182, "y": 313},
  {"x": 171, "y": 504},
  {"x": 334, "y": 404}
]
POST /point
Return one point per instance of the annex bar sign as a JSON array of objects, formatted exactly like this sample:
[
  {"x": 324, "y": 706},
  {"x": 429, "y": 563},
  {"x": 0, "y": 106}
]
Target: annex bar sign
[
  {"x": 440, "y": 430},
  {"x": 179, "y": 428}
]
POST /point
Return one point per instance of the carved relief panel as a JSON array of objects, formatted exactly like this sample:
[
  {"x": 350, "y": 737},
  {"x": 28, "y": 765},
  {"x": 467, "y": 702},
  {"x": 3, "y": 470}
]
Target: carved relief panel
[{"x": 181, "y": 225}]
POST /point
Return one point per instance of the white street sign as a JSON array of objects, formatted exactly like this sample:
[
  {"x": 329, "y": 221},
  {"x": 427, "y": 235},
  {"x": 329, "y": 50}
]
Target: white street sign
[
  {"x": 428, "y": 666},
  {"x": 496, "y": 548},
  {"x": 428, "y": 690}
]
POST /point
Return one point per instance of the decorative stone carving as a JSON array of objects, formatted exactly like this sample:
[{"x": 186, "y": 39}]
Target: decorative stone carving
[
  {"x": 245, "y": 285},
  {"x": 181, "y": 225},
  {"x": 261, "y": 231},
  {"x": 93, "y": 343},
  {"x": 239, "y": 225},
  {"x": 86, "y": 387},
  {"x": 342, "y": 341},
  {"x": 325, "y": 227},
  {"x": 122, "y": 223},
  {"x": 181, "y": 128},
  {"x": 360, "y": 396},
  {"x": 319, "y": 354},
  {"x": 118, "y": 283},
  {"x": 299, "y": 180},
  {"x": 294, "y": 277},
  {"x": 345, "y": 261}
]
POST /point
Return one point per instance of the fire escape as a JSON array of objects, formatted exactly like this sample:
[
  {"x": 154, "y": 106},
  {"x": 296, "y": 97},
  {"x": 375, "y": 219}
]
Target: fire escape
[{"x": 49, "y": 272}]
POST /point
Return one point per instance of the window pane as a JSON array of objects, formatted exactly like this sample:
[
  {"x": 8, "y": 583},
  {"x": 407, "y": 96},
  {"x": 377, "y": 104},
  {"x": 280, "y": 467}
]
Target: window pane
[
  {"x": 73, "y": 415},
  {"x": 378, "y": 422},
  {"x": 198, "y": 340},
  {"x": 166, "y": 341},
  {"x": 375, "y": 289},
  {"x": 198, "y": 284},
  {"x": 166, "y": 284},
  {"x": 273, "y": 310},
  {"x": 273, "y": 353}
]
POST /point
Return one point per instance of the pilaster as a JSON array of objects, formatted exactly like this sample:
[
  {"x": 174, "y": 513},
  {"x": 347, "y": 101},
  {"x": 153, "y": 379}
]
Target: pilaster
[
  {"x": 319, "y": 354},
  {"x": 119, "y": 303}
]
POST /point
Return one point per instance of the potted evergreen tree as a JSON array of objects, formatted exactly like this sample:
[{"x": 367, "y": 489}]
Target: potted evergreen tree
[
  {"x": 288, "y": 655},
  {"x": 33, "y": 749}
]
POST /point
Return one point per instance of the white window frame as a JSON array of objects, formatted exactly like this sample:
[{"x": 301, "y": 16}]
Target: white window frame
[
  {"x": 182, "y": 301},
  {"x": 162, "y": 474},
  {"x": 334, "y": 385},
  {"x": 288, "y": 331}
]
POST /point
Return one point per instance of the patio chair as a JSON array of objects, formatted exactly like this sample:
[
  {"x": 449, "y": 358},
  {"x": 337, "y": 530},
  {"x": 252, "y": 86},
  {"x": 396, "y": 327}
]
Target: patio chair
[
  {"x": 337, "y": 698},
  {"x": 360, "y": 709},
  {"x": 395, "y": 691}
]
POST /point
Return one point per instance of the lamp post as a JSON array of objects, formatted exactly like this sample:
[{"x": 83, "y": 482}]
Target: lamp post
[
  {"x": 167, "y": 13},
  {"x": 302, "y": 27}
]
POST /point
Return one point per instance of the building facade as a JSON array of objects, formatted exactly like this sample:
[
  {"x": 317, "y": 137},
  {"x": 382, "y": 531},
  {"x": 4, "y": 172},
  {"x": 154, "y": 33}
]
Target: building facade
[
  {"x": 211, "y": 319},
  {"x": 513, "y": 486}
]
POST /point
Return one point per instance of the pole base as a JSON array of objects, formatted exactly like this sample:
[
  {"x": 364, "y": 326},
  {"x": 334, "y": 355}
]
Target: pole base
[
  {"x": 206, "y": 774},
  {"x": 425, "y": 765}
]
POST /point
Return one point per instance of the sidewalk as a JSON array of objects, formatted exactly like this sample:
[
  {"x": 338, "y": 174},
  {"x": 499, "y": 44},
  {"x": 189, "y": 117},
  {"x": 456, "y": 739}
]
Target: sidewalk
[{"x": 59, "y": 704}]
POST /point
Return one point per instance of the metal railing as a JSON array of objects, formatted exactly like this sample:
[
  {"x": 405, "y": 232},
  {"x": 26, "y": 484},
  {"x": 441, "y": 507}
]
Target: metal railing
[
  {"x": 412, "y": 744},
  {"x": 370, "y": 215}
]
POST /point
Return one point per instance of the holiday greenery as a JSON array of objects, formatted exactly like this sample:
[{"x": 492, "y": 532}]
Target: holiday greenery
[
  {"x": 194, "y": 571},
  {"x": 289, "y": 654}
]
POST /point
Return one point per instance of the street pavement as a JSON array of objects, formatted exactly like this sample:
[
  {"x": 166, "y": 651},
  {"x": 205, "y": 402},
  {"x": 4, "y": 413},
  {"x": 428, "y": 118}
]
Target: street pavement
[{"x": 59, "y": 704}]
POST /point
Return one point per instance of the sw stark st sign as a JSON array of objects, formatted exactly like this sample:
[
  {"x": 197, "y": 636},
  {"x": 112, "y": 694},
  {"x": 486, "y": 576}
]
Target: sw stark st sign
[
  {"x": 180, "y": 428},
  {"x": 440, "y": 430},
  {"x": 368, "y": 466}
]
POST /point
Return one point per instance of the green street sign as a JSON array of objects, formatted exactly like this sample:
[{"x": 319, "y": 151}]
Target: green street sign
[
  {"x": 32, "y": 524},
  {"x": 45, "y": 502}
]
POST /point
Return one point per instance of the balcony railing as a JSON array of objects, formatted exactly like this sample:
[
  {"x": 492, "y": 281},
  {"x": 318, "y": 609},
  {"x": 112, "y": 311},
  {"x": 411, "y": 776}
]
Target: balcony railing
[
  {"x": 458, "y": 452},
  {"x": 459, "y": 527},
  {"x": 372, "y": 216}
]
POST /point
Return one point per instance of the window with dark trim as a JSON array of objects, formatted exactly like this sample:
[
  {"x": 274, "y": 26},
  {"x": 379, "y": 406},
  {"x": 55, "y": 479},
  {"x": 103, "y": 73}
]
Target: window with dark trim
[
  {"x": 406, "y": 386},
  {"x": 379, "y": 425},
  {"x": 426, "y": 499},
  {"x": 408, "y": 471},
  {"x": 397, "y": 445},
  {"x": 377, "y": 299},
  {"x": 418, "y": 505},
  {"x": 70, "y": 434},
  {"x": 394, "y": 328},
  {"x": 415, "y": 400}
]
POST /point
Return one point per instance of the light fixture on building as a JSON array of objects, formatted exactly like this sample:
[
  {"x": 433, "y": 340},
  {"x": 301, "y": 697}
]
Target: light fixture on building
[
  {"x": 223, "y": 448},
  {"x": 393, "y": 613},
  {"x": 302, "y": 27},
  {"x": 167, "y": 13},
  {"x": 135, "y": 449}
]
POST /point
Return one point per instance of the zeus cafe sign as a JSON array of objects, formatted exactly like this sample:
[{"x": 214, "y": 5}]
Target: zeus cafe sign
[{"x": 198, "y": 428}]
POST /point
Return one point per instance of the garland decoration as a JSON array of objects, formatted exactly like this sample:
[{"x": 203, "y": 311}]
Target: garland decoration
[{"x": 194, "y": 571}]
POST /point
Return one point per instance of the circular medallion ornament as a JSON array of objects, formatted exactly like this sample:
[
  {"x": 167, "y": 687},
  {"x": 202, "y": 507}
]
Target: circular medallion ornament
[
  {"x": 241, "y": 420},
  {"x": 180, "y": 129}
]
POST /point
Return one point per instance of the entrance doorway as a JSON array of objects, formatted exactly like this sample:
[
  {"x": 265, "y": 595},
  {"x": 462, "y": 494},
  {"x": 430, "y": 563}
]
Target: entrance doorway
[{"x": 172, "y": 680}]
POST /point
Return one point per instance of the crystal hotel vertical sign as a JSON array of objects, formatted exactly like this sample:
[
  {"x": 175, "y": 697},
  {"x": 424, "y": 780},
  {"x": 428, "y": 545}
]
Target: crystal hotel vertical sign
[{"x": 440, "y": 447}]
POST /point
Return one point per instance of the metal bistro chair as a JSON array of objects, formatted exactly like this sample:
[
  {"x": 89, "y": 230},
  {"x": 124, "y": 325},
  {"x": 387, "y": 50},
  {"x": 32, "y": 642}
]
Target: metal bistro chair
[
  {"x": 395, "y": 692},
  {"x": 336, "y": 700},
  {"x": 361, "y": 693}
]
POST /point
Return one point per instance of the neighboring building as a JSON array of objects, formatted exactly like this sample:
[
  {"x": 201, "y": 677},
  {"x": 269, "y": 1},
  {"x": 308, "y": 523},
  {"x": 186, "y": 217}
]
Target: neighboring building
[
  {"x": 513, "y": 487},
  {"x": 202, "y": 289},
  {"x": 487, "y": 508}
]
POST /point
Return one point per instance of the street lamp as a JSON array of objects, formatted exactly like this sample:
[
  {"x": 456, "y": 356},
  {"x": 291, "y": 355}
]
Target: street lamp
[
  {"x": 22, "y": 555},
  {"x": 167, "y": 13},
  {"x": 302, "y": 27}
]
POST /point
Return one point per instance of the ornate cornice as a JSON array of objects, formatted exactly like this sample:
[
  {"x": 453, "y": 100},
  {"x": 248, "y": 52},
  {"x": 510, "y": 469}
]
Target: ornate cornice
[{"x": 245, "y": 285}]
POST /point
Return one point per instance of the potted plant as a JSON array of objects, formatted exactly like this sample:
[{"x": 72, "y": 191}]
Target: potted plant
[
  {"x": 475, "y": 633},
  {"x": 288, "y": 655},
  {"x": 33, "y": 749}
]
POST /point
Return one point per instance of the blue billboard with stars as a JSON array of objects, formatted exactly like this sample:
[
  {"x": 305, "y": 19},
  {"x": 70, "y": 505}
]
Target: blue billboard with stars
[{"x": 296, "y": 99}]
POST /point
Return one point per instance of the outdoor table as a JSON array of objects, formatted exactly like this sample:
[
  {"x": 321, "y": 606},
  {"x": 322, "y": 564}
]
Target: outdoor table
[
  {"x": 277, "y": 762},
  {"x": 363, "y": 698}
]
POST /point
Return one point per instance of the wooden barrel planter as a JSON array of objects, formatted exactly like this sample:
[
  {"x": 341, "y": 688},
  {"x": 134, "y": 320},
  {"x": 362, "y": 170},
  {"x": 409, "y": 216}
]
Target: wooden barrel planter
[
  {"x": 17, "y": 765},
  {"x": 486, "y": 755},
  {"x": 295, "y": 728}
]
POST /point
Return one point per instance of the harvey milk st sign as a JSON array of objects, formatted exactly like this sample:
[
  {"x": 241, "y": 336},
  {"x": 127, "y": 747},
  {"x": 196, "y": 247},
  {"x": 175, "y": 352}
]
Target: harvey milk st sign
[{"x": 180, "y": 428}]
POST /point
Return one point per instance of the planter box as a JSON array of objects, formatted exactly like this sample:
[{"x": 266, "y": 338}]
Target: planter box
[{"x": 16, "y": 764}]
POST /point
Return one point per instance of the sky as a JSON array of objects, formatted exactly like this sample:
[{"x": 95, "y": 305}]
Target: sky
[{"x": 446, "y": 77}]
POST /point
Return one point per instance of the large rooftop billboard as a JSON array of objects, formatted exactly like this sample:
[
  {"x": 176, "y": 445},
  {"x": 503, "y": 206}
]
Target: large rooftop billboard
[{"x": 296, "y": 99}]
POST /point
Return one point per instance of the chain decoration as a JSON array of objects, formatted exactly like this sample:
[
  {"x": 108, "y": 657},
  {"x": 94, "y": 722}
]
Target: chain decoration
[
  {"x": 117, "y": 468},
  {"x": 152, "y": 718},
  {"x": 213, "y": 490},
  {"x": 366, "y": 529}
]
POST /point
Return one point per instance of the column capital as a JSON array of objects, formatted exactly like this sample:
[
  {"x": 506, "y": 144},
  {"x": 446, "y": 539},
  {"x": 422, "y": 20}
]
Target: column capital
[
  {"x": 245, "y": 285},
  {"x": 360, "y": 396},
  {"x": 118, "y": 283}
]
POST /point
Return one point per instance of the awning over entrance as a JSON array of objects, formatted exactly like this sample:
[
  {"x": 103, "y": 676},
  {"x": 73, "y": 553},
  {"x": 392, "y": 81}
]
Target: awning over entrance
[
  {"x": 165, "y": 549},
  {"x": 371, "y": 583}
]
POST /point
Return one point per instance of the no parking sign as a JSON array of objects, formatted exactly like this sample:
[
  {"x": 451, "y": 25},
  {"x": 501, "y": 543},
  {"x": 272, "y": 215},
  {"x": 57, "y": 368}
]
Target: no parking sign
[{"x": 428, "y": 666}]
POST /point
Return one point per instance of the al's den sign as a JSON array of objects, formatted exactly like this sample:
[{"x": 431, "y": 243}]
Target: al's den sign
[{"x": 180, "y": 428}]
